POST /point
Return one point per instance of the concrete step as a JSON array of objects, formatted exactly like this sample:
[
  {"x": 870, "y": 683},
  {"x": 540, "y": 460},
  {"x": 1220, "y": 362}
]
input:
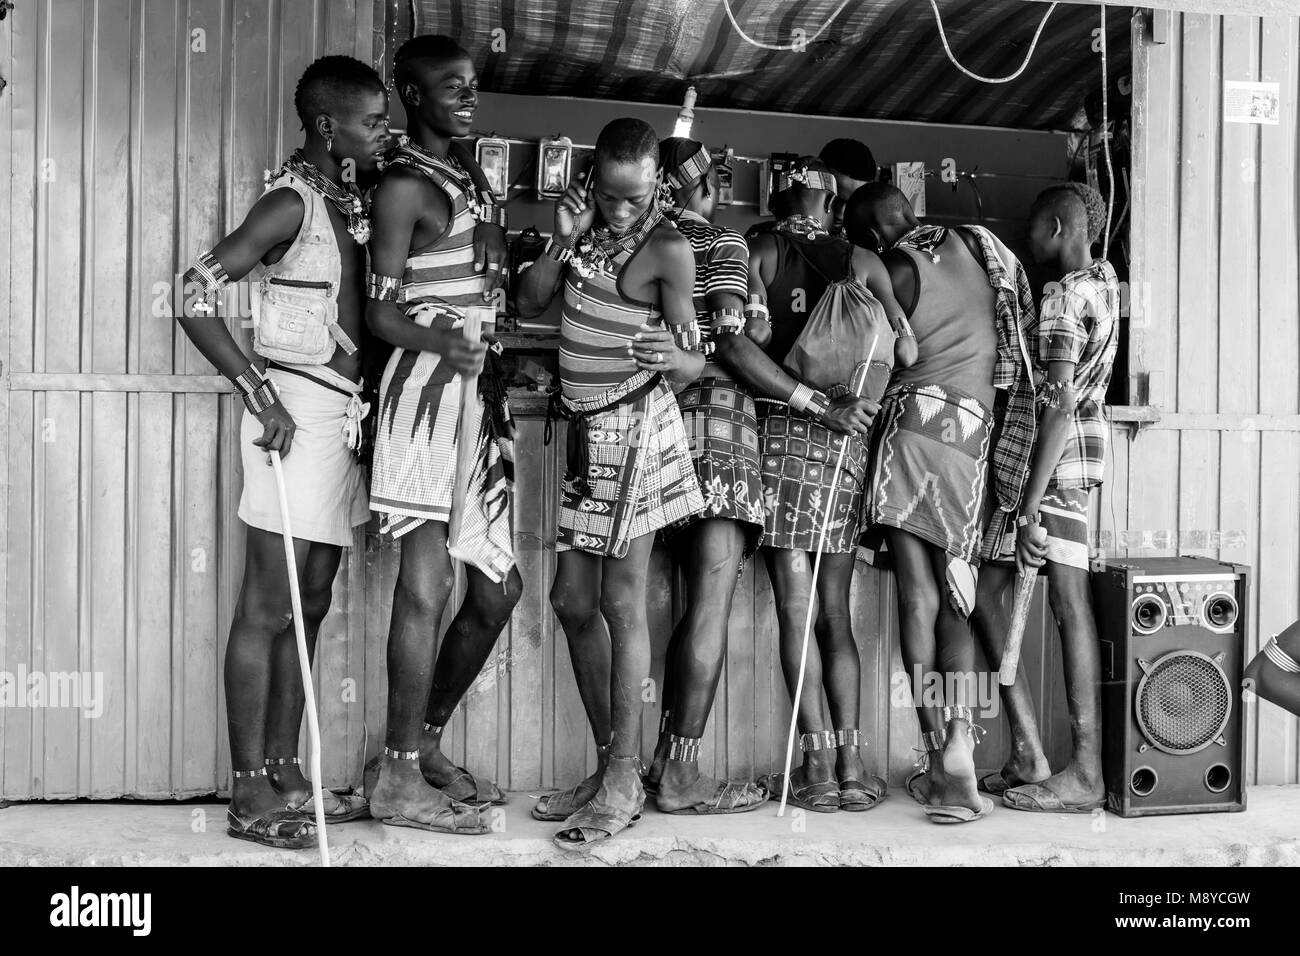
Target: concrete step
[{"x": 894, "y": 834}]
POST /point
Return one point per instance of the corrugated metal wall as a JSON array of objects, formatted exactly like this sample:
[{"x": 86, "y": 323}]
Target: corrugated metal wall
[
  {"x": 1215, "y": 267},
  {"x": 129, "y": 148},
  {"x": 135, "y": 134}
]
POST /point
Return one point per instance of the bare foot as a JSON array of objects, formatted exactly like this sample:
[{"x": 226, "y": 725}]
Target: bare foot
[
  {"x": 960, "y": 787},
  {"x": 683, "y": 786},
  {"x": 402, "y": 794}
]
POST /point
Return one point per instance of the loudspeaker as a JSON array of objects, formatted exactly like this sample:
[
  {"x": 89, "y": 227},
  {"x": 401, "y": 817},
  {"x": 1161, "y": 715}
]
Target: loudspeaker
[{"x": 1173, "y": 639}]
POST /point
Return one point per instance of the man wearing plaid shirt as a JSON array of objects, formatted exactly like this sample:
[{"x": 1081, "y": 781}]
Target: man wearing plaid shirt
[{"x": 1077, "y": 338}]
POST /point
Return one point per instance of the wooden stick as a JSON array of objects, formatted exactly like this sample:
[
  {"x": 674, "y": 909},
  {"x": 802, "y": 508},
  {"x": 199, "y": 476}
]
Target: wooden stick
[{"x": 1019, "y": 617}]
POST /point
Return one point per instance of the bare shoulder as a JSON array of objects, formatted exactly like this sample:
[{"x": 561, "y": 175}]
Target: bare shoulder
[{"x": 278, "y": 210}]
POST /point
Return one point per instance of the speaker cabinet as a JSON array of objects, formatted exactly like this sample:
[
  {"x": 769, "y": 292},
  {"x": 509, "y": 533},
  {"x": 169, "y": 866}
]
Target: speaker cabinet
[{"x": 1173, "y": 639}]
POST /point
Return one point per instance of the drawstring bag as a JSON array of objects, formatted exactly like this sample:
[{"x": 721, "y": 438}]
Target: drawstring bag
[{"x": 838, "y": 336}]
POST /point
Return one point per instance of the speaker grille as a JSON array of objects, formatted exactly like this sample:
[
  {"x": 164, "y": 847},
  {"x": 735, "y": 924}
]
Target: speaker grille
[{"x": 1183, "y": 702}]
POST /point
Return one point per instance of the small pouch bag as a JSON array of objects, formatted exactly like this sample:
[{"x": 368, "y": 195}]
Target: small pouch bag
[{"x": 297, "y": 322}]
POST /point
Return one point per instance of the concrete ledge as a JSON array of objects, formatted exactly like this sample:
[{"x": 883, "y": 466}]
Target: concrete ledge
[{"x": 895, "y": 834}]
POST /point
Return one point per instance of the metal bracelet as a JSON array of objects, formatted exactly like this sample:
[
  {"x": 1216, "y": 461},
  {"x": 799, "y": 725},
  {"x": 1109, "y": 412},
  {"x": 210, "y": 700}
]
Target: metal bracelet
[
  {"x": 902, "y": 328},
  {"x": 491, "y": 213}
]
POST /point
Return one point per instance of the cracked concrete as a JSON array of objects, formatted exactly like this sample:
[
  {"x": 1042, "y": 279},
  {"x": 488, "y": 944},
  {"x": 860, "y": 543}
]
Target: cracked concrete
[{"x": 895, "y": 834}]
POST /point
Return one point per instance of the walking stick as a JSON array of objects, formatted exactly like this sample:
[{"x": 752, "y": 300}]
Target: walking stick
[
  {"x": 858, "y": 384},
  {"x": 304, "y": 662},
  {"x": 1019, "y": 617}
]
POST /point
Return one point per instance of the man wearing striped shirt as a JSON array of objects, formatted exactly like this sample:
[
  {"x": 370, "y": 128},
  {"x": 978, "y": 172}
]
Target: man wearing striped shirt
[
  {"x": 722, "y": 428},
  {"x": 424, "y": 274},
  {"x": 1077, "y": 338}
]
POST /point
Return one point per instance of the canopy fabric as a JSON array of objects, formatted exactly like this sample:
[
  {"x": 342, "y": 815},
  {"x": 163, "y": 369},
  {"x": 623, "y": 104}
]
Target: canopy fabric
[{"x": 874, "y": 59}]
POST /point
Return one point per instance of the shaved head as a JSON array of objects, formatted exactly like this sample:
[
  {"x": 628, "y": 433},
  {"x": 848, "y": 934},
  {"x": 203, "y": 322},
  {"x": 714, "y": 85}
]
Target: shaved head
[
  {"x": 878, "y": 211},
  {"x": 1078, "y": 207}
]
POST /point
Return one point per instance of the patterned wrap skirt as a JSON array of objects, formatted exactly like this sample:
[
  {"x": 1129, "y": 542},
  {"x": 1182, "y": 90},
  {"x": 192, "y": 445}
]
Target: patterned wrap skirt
[
  {"x": 797, "y": 464},
  {"x": 722, "y": 433},
  {"x": 639, "y": 474}
]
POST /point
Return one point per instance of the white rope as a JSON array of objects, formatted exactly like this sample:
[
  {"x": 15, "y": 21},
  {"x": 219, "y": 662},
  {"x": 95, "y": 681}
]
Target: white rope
[
  {"x": 1105, "y": 140},
  {"x": 726, "y": 5},
  {"x": 991, "y": 79}
]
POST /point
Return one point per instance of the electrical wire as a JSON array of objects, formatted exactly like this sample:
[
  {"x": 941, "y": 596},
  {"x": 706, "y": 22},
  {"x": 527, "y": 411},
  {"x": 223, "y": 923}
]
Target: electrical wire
[
  {"x": 1033, "y": 44},
  {"x": 1105, "y": 140},
  {"x": 726, "y": 5}
]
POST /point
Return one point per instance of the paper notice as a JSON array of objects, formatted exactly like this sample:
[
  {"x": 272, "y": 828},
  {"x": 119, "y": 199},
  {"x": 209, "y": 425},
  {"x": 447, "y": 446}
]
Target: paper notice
[
  {"x": 910, "y": 179},
  {"x": 1245, "y": 102}
]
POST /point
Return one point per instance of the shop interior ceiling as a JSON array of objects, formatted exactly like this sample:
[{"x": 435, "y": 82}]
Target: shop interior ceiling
[{"x": 868, "y": 59}]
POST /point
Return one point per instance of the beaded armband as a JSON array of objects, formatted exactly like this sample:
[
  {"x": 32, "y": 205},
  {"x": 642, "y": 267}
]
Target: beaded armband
[
  {"x": 210, "y": 276},
  {"x": 490, "y": 212},
  {"x": 687, "y": 336},
  {"x": 727, "y": 322},
  {"x": 809, "y": 401},
  {"x": 259, "y": 393},
  {"x": 382, "y": 288},
  {"x": 557, "y": 251},
  {"x": 902, "y": 328},
  {"x": 758, "y": 309}
]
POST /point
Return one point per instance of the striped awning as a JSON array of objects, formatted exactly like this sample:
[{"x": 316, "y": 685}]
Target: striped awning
[{"x": 877, "y": 59}]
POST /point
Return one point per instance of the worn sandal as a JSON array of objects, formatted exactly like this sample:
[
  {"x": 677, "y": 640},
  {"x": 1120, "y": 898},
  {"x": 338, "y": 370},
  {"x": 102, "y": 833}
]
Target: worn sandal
[
  {"x": 728, "y": 796},
  {"x": 855, "y": 796},
  {"x": 466, "y": 788},
  {"x": 819, "y": 797},
  {"x": 281, "y": 828},
  {"x": 558, "y": 807},
  {"x": 615, "y": 807}
]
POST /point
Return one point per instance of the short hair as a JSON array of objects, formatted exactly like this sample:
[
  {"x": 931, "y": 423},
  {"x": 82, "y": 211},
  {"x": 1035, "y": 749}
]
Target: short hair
[
  {"x": 627, "y": 140},
  {"x": 874, "y": 204},
  {"x": 851, "y": 157},
  {"x": 1077, "y": 205},
  {"x": 330, "y": 79},
  {"x": 433, "y": 49}
]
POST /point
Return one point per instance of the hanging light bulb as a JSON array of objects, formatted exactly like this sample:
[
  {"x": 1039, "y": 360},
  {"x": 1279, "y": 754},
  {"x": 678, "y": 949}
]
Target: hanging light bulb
[{"x": 686, "y": 116}]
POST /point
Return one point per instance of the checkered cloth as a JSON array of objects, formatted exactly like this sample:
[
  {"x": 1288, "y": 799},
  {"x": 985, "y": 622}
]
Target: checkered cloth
[
  {"x": 722, "y": 432},
  {"x": 639, "y": 475},
  {"x": 1017, "y": 321},
  {"x": 930, "y": 475},
  {"x": 798, "y": 463},
  {"x": 1078, "y": 324}
]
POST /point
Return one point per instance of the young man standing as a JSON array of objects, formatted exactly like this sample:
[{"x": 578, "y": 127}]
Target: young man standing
[
  {"x": 801, "y": 433},
  {"x": 309, "y": 230},
  {"x": 628, "y": 331},
  {"x": 1078, "y": 333},
  {"x": 711, "y": 548},
  {"x": 969, "y": 303},
  {"x": 423, "y": 277}
]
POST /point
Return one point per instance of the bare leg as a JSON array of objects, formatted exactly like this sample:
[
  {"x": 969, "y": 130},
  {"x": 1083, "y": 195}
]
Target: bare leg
[
  {"x": 955, "y": 661},
  {"x": 424, "y": 584},
  {"x": 841, "y": 665},
  {"x": 575, "y": 596},
  {"x": 287, "y": 701},
  {"x": 464, "y": 650},
  {"x": 1080, "y": 783},
  {"x": 791, "y": 576},
  {"x": 712, "y": 555},
  {"x": 991, "y": 621},
  {"x": 918, "y": 612},
  {"x": 264, "y": 611}
]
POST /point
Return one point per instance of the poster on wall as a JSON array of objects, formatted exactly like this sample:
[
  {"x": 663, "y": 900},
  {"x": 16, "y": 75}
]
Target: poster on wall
[
  {"x": 1246, "y": 102},
  {"x": 910, "y": 179}
]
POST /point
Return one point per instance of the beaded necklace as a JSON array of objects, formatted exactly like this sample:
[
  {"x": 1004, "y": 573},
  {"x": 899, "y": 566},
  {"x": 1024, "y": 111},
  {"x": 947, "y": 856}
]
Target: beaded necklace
[
  {"x": 450, "y": 167},
  {"x": 346, "y": 199},
  {"x": 806, "y": 227},
  {"x": 598, "y": 246}
]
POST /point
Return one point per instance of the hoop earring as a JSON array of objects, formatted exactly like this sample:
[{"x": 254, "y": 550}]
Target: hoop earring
[{"x": 329, "y": 144}]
